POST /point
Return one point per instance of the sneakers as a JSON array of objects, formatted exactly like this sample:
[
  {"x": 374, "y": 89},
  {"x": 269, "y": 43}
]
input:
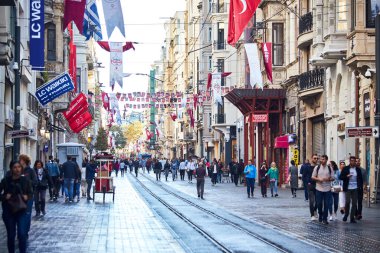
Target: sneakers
[
  {"x": 43, "y": 213},
  {"x": 353, "y": 221},
  {"x": 38, "y": 214},
  {"x": 334, "y": 216},
  {"x": 331, "y": 218},
  {"x": 276, "y": 195},
  {"x": 325, "y": 222},
  {"x": 345, "y": 218},
  {"x": 313, "y": 218}
]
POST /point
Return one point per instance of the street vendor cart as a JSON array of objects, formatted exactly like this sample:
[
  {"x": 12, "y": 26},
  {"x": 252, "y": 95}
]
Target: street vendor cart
[{"x": 103, "y": 180}]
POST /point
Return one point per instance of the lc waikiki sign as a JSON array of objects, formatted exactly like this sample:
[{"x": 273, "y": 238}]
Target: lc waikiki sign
[
  {"x": 36, "y": 32},
  {"x": 54, "y": 88}
]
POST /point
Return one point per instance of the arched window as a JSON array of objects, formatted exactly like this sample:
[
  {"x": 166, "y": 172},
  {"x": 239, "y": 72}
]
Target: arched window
[{"x": 51, "y": 42}]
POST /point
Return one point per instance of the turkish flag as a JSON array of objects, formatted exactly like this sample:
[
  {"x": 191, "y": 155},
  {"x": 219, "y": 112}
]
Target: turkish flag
[
  {"x": 74, "y": 11},
  {"x": 173, "y": 116},
  {"x": 241, "y": 11}
]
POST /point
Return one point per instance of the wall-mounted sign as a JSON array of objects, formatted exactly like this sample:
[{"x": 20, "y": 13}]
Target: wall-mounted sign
[
  {"x": 21, "y": 133},
  {"x": 36, "y": 34},
  {"x": 259, "y": 118},
  {"x": 362, "y": 132},
  {"x": 54, "y": 88}
]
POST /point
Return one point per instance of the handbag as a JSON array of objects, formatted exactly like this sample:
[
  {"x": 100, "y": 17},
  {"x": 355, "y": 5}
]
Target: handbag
[
  {"x": 336, "y": 188},
  {"x": 17, "y": 204}
]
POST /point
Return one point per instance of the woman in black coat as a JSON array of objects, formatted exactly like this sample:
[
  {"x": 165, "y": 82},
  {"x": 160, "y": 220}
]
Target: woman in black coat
[
  {"x": 263, "y": 179},
  {"x": 43, "y": 181}
]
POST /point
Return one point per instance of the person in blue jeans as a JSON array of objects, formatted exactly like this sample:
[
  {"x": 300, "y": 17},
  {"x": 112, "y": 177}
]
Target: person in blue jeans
[
  {"x": 273, "y": 174},
  {"x": 305, "y": 179},
  {"x": 15, "y": 220},
  {"x": 250, "y": 175},
  {"x": 69, "y": 173}
]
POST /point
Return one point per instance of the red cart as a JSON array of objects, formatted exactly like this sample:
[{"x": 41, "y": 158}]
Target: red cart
[{"x": 103, "y": 179}]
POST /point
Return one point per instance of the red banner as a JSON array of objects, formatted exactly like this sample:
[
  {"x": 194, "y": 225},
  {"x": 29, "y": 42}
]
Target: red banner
[
  {"x": 72, "y": 57},
  {"x": 106, "y": 101},
  {"x": 74, "y": 11},
  {"x": 267, "y": 53},
  {"x": 78, "y": 106},
  {"x": 81, "y": 122},
  {"x": 106, "y": 46}
]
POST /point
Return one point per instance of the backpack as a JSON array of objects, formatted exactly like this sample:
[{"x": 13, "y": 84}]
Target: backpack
[{"x": 319, "y": 166}]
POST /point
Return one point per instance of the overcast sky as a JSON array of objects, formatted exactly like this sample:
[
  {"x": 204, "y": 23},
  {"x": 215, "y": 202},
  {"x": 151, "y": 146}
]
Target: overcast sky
[{"x": 143, "y": 23}]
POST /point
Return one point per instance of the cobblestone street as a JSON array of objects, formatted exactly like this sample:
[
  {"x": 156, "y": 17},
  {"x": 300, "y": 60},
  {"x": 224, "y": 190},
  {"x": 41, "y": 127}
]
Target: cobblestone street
[{"x": 128, "y": 225}]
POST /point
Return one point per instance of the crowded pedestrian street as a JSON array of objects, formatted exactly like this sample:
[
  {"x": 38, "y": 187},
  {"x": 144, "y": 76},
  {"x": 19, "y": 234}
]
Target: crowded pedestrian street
[{"x": 150, "y": 216}]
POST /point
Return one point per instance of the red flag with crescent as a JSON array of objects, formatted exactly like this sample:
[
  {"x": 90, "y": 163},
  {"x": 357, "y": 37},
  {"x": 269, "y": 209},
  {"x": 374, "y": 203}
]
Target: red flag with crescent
[{"x": 241, "y": 11}]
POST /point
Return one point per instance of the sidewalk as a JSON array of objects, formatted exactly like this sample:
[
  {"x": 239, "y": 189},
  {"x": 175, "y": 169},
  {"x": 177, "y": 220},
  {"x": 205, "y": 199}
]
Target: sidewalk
[
  {"x": 128, "y": 225},
  {"x": 291, "y": 215}
]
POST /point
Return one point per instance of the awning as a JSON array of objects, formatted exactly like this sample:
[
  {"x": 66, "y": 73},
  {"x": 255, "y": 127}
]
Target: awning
[{"x": 281, "y": 142}]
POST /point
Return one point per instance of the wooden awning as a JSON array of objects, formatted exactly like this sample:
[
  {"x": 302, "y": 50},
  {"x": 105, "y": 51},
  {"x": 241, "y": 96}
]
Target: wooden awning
[{"x": 246, "y": 99}]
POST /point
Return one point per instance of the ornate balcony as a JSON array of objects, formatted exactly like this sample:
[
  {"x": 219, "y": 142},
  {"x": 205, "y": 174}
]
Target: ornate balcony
[
  {"x": 311, "y": 83},
  {"x": 305, "y": 36},
  {"x": 220, "y": 118}
]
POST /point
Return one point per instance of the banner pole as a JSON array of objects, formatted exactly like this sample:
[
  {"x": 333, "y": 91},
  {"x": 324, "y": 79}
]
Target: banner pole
[{"x": 16, "y": 68}]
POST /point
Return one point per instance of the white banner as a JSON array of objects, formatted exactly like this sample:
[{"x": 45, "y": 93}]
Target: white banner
[
  {"x": 216, "y": 84},
  {"x": 116, "y": 63},
  {"x": 113, "y": 16},
  {"x": 256, "y": 78}
]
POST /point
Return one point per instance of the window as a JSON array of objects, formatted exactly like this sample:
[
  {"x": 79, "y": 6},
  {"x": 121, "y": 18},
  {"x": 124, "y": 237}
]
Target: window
[
  {"x": 353, "y": 14},
  {"x": 51, "y": 43},
  {"x": 209, "y": 34},
  {"x": 278, "y": 44},
  {"x": 220, "y": 42},
  {"x": 32, "y": 104},
  {"x": 209, "y": 5},
  {"x": 210, "y": 62},
  {"x": 221, "y": 6},
  {"x": 372, "y": 8},
  {"x": 341, "y": 24},
  {"x": 220, "y": 64}
]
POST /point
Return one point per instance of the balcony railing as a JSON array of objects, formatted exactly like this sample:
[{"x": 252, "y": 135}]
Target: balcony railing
[
  {"x": 220, "y": 7},
  {"x": 312, "y": 79},
  {"x": 220, "y": 118},
  {"x": 306, "y": 23},
  {"x": 220, "y": 45}
]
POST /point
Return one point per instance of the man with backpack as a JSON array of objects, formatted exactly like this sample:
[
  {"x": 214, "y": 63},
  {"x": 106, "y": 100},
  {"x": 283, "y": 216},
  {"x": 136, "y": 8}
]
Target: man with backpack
[
  {"x": 53, "y": 170},
  {"x": 323, "y": 175}
]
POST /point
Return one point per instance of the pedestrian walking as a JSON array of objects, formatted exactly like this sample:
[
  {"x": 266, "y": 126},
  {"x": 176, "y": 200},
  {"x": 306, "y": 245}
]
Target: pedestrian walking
[
  {"x": 90, "y": 176},
  {"x": 143, "y": 164},
  {"x": 157, "y": 169},
  {"x": 214, "y": 168},
  {"x": 250, "y": 175},
  {"x": 200, "y": 174},
  {"x": 361, "y": 188},
  {"x": 263, "y": 179},
  {"x": 53, "y": 170},
  {"x": 342, "y": 194},
  {"x": 235, "y": 172},
  {"x": 174, "y": 167},
  {"x": 148, "y": 165},
  {"x": 116, "y": 167},
  {"x": 43, "y": 182},
  {"x": 167, "y": 169},
  {"x": 352, "y": 180},
  {"x": 323, "y": 175},
  {"x": 182, "y": 169},
  {"x": 220, "y": 170},
  {"x": 69, "y": 174},
  {"x": 308, "y": 172},
  {"x": 336, "y": 188},
  {"x": 240, "y": 170},
  {"x": 130, "y": 165},
  {"x": 191, "y": 168},
  {"x": 29, "y": 173},
  {"x": 16, "y": 191},
  {"x": 273, "y": 173},
  {"x": 122, "y": 167},
  {"x": 303, "y": 171},
  {"x": 77, "y": 182},
  {"x": 293, "y": 178},
  {"x": 136, "y": 165}
]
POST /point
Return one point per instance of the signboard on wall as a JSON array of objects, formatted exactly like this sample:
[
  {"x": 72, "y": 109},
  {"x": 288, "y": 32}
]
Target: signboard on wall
[
  {"x": 259, "y": 118},
  {"x": 362, "y": 132},
  {"x": 54, "y": 88}
]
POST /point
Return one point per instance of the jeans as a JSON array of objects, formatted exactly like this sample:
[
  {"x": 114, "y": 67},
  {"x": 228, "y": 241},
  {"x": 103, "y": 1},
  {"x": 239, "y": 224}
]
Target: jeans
[
  {"x": 305, "y": 189},
  {"x": 54, "y": 187},
  {"x": 12, "y": 222},
  {"x": 351, "y": 196},
  {"x": 250, "y": 186},
  {"x": 360, "y": 202},
  {"x": 122, "y": 172},
  {"x": 334, "y": 202},
  {"x": 158, "y": 175},
  {"x": 214, "y": 178},
  {"x": 29, "y": 208},
  {"x": 312, "y": 202},
  {"x": 182, "y": 174},
  {"x": 200, "y": 186},
  {"x": 89, "y": 184},
  {"x": 137, "y": 171},
  {"x": 263, "y": 184},
  {"x": 273, "y": 187},
  {"x": 190, "y": 175},
  {"x": 39, "y": 199},
  {"x": 174, "y": 174},
  {"x": 236, "y": 179},
  {"x": 76, "y": 190},
  {"x": 323, "y": 203},
  {"x": 219, "y": 177},
  {"x": 69, "y": 187}
]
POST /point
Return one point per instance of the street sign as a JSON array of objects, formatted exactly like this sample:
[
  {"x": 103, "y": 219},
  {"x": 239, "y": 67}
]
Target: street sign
[
  {"x": 362, "y": 132},
  {"x": 259, "y": 118},
  {"x": 21, "y": 133}
]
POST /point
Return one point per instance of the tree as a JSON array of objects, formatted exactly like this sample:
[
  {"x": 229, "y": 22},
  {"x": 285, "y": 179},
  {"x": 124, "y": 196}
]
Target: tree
[
  {"x": 101, "y": 140},
  {"x": 133, "y": 131},
  {"x": 120, "y": 140}
]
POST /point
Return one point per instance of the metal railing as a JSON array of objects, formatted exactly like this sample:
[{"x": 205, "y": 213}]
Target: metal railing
[
  {"x": 220, "y": 45},
  {"x": 311, "y": 79},
  {"x": 306, "y": 23}
]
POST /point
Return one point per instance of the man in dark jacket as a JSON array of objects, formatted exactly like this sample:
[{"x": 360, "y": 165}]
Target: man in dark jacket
[
  {"x": 69, "y": 174},
  {"x": 136, "y": 165},
  {"x": 304, "y": 168},
  {"x": 307, "y": 174},
  {"x": 53, "y": 169},
  {"x": 240, "y": 170},
  {"x": 157, "y": 169},
  {"x": 200, "y": 174},
  {"x": 352, "y": 181},
  {"x": 90, "y": 175}
]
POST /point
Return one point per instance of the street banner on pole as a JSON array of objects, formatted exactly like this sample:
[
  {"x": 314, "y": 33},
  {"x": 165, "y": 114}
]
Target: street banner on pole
[
  {"x": 113, "y": 16},
  {"x": 217, "y": 87},
  {"x": 267, "y": 53},
  {"x": 116, "y": 63},
  {"x": 36, "y": 34},
  {"x": 254, "y": 65},
  {"x": 54, "y": 88}
]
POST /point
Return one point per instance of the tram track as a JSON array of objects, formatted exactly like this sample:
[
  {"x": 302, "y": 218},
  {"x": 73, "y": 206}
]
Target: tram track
[{"x": 220, "y": 245}]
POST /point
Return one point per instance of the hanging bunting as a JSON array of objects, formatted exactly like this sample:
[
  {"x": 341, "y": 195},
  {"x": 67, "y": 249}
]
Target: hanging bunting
[
  {"x": 116, "y": 64},
  {"x": 91, "y": 22},
  {"x": 256, "y": 78},
  {"x": 113, "y": 16},
  {"x": 105, "y": 45},
  {"x": 217, "y": 88},
  {"x": 74, "y": 11},
  {"x": 209, "y": 78},
  {"x": 267, "y": 53},
  {"x": 106, "y": 101},
  {"x": 241, "y": 12}
]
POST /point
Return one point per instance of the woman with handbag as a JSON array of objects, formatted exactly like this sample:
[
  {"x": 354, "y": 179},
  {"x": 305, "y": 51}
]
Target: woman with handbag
[
  {"x": 43, "y": 180},
  {"x": 15, "y": 191},
  {"x": 335, "y": 188}
]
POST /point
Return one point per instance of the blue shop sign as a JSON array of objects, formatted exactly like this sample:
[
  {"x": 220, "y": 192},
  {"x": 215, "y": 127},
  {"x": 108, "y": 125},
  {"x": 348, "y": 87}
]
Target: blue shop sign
[{"x": 54, "y": 88}]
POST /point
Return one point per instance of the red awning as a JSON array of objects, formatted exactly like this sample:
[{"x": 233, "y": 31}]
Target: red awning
[{"x": 281, "y": 142}]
